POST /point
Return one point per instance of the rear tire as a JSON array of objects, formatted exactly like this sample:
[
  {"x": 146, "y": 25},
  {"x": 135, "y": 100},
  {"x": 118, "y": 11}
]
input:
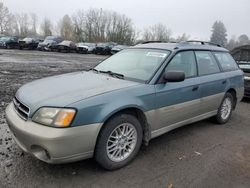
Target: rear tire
[
  {"x": 225, "y": 110},
  {"x": 119, "y": 141}
]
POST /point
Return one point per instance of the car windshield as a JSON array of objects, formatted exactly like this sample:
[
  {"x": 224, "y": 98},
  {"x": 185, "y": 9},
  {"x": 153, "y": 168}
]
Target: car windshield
[
  {"x": 5, "y": 39},
  {"x": 134, "y": 64}
]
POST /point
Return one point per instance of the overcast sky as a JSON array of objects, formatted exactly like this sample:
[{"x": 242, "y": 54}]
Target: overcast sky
[{"x": 194, "y": 17}]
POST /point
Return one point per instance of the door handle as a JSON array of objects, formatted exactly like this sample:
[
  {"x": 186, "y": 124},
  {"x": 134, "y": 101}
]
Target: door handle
[
  {"x": 224, "y": 81},
  {"x": 195, "y": 88}
]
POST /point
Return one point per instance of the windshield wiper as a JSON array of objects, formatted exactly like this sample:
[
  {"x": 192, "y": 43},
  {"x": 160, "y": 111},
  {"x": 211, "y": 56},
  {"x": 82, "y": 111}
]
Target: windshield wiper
[{"x": 114, "y": 74}]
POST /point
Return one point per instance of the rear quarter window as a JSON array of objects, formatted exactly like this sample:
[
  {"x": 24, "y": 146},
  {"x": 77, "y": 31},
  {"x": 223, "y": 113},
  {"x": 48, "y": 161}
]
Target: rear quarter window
[{"x": 226, "y": 61}]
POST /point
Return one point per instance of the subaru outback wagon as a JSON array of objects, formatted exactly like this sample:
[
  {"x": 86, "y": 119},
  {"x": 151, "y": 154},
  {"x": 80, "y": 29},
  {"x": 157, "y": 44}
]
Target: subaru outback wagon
[{"x": 136, "y": 95}]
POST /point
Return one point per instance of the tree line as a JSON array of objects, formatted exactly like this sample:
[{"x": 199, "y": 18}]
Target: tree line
[
  {"x": 219, "y": 36},
  {"x": 98, "y": 25}
]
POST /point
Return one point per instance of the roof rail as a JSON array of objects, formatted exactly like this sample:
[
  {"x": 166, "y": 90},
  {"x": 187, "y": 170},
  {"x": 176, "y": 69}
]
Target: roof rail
[
  {"x": 153, "y": 41},
  {"x": 201, "y": 42}
]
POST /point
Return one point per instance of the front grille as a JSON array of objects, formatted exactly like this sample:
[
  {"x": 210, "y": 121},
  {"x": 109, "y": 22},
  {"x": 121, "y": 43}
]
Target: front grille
[{"x": 21, "y": 109}]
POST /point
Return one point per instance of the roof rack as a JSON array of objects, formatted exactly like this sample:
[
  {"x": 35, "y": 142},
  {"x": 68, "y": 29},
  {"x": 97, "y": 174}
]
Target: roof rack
[
  {"x": 153, "y": 41},
  {"x": 184, "y": 42},
  {"x": 201, "y": 42}
]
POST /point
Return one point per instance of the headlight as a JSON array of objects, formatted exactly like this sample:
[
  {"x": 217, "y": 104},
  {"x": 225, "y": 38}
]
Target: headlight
[
  {"x": 55, "y": 117},
  {"x": 247, "y": 77}
]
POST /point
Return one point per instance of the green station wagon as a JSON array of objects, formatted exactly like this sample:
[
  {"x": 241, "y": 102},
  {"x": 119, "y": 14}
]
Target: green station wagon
[{"x": 128, "y": 99}]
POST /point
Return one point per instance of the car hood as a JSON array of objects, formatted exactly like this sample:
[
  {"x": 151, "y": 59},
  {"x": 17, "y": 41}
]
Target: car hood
[{"x": 66, "y": 89}]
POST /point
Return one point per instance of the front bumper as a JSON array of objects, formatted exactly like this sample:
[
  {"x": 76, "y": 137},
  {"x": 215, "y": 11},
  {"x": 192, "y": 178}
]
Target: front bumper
[{"x": 53, "y": 145}]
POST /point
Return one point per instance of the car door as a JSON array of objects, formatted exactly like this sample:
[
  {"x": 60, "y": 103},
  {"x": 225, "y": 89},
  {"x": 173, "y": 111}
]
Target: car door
[
  {"x": 212, "y": 81},
  {"x": 178, "y": 101}
]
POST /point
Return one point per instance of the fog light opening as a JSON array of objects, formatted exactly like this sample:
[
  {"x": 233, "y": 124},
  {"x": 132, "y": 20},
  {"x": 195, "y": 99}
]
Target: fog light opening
[{"x": 40, "y": 153}]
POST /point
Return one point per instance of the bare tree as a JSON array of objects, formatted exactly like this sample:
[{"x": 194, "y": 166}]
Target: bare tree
[
  {"x": 237, "y": 41},
  {"x": 46, "y": 27},
  {"x": 183, "y": 37},
  {"x": 158, "y": 32},
  {"x": 23, "y": 23},
  {"x": 120, "y": 29},
  {"x": 78, "y": 20},
  {"x": 67, "y": 28},
  {"x": 5, "y": 17},
  {"x": 97, "y": 25},
  {"x": 12, "y": 27},
  {"x": 34, "y": 21},
  {"x": 243, "y": 39},
  {"x": 89, "y": 25}
]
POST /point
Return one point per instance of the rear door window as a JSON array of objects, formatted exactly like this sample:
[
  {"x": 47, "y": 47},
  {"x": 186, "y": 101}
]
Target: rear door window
[
  {"x": 226, "y": 61},
  {"x": 206, "y": 63}
]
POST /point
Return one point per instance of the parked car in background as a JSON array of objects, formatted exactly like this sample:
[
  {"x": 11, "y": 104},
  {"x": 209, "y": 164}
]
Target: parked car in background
[
  {"x": 83, "y": 47},
  {"x": 131, "y": 97},
  {"x": 29, "y": 43},
  {"x": 104, "y": 48},
  {"x": 65, "y": 46},
  {"x": 118, "y": 48},
  {"x": 242, "y": 55},
  {"x": 245, "y": 67},
  {"x": 49, "y": 42},
  {"x": 9, "y": 42}
]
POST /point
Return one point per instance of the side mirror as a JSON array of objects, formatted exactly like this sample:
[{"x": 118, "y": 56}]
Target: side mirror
[{"x": 174, "y": 76}]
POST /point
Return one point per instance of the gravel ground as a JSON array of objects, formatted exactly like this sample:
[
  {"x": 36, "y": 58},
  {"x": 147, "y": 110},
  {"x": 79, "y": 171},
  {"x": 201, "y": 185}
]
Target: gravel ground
[{"x": 202, "y": 154}]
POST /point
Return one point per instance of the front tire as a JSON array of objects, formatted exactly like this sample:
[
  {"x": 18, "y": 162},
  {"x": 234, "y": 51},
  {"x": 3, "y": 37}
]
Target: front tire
[
  {"x": 119, "y": 141},
  {"x": 225, "y": 110}
]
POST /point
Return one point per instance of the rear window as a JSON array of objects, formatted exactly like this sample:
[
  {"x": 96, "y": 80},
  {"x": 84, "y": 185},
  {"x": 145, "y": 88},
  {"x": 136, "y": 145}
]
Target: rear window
[
  {"x": 226, "y": 61},
  {"x": 206, "y": 63}
]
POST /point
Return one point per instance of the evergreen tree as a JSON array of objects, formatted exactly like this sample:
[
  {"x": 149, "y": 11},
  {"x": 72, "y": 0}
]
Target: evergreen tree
[{"x": 219, "y": 33}]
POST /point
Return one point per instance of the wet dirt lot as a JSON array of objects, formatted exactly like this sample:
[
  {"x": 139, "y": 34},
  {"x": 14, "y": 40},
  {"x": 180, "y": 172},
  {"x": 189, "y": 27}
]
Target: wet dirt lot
[{"x": 202, "y": 154}]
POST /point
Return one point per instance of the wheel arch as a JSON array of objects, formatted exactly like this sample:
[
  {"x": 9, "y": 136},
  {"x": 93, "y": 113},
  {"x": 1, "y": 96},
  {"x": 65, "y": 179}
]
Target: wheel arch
[
  {"x": 232, "y": 91},
  {"x": 136, "y": 112}
]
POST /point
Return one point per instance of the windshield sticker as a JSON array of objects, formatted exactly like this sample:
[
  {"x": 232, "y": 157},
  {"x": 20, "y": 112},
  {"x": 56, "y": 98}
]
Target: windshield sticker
[{"x": 156, "y": 54}]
